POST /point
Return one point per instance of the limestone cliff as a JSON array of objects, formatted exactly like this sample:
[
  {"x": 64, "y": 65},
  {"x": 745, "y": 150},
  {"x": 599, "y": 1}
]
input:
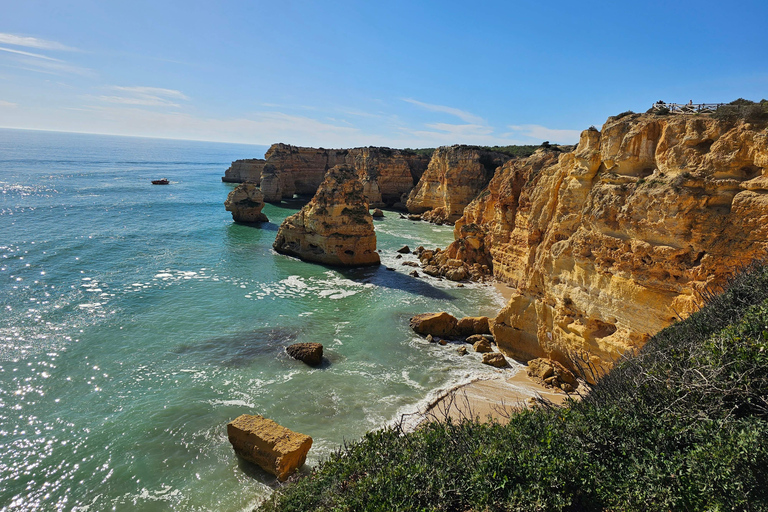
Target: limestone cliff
[
  {"x": 456, "y": 174},
  {"x": 386, "y": 173},
  {"x": 608, "y": 244},
  {"x": 335, "y": 227},
  {"x": 244, "y": 170}
]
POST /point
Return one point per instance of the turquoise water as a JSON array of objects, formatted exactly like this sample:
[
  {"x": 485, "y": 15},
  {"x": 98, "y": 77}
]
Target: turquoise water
[{"x": 137, "y": 320}]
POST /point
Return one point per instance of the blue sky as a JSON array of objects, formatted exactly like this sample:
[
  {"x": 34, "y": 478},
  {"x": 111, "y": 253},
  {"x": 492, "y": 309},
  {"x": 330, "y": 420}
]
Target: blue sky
[{"x": 359, "y": 73}]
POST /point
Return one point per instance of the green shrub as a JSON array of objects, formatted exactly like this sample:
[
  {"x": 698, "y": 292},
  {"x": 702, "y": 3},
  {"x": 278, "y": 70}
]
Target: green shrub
[{"x": 681, "y": 425}]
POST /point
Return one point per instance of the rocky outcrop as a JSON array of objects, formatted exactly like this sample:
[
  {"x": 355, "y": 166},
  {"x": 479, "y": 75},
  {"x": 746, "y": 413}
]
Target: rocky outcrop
[
  {"x": 608, "y": 244},
  {"x": 309, "y": 353},
  {"x": 434, "y": 324},
  {"x": 276, "y": 449},
  {"x": 552, "y": 374},
  {"x": 456, "y": 174},
  {"x": 246, "y": 202},
  {"x": 386, "y": 174},
  {"x": 447, "y": 264},
  {"x": 241, "y": 171},
  {"x": 335, "y": 227}
]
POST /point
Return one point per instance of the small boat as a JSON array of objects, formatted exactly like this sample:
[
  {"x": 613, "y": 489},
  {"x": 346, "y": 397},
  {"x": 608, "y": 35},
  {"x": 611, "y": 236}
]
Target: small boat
[{"x": 163, "y": 181}]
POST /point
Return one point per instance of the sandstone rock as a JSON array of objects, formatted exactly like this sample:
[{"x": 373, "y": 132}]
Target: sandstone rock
[
  {"x": 470, "y": 325},
  {"x": 552, "y": 373},
  {"x": 261, "y": 441},
  {"x": 414, "y": 217},
  {"x": 455, "y": 175},
  {"x": 386, "y": 174},
  {"x": 377, "y": 213},
  {"x": 414, "y": 274},
  {"x": 431, "y": 270},
  {"x": 436, "y": 324},
  {"x": 335, "y": 228},
  {"x": 404, "y": 250},
  {"x": 462, "y": 350},
  {"x": 430, "y": 338},
  {"x": 271, "y": 184},
  {"x": 410, "y": 264},
  {"x": 456, "y": 274},
  {"x": 607, "y": 244},
  {"x": 310, "y": 353},
  {"x": 244, "y": 170},
  {"x": 495, "y": 359},
  {"x": 246, "y": 202},
  {"x": 443, "y": 342},
  {"x": 474, "y": 338},
  {"x": 482, "y": 346}
]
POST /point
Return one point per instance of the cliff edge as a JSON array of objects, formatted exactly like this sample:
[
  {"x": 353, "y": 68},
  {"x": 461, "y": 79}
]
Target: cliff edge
[{"x": 608, "y": 244}]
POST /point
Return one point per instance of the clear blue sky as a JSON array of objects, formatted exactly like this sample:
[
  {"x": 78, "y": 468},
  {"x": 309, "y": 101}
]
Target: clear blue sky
[{"x": 353, "y": 73}]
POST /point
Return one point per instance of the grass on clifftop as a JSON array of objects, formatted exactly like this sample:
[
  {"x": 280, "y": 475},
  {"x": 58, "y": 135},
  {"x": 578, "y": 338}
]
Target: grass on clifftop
[{"x": 681, "y": 426}]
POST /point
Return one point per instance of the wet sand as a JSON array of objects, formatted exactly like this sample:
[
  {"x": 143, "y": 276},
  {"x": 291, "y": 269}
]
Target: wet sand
[{"x": 494, "y": 398}]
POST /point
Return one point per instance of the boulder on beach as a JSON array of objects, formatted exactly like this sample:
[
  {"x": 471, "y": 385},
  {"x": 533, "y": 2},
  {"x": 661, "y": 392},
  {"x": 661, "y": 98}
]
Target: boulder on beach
[
  {"x": 437, "y": 324},
  {"x": 377, "y": 213},
  {"x": 309, "y": 353},
  {"x": 274, "y": 448},
  {"x": 552, "y": 373},
  {"x": 495, "y": 359}
]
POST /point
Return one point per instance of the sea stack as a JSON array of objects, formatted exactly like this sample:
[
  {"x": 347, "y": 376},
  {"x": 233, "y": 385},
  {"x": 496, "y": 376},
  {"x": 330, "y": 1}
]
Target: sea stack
[
  {"x": 335, "y": 227},
  {"x": 246, "y": 202}
]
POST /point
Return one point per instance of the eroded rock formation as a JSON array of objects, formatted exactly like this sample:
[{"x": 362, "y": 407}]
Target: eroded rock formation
[
  {"x": 246, "y": 202},
  {"x": 335, "y": 227},
  {"x": 456, "y": 174},
  {"x": 248, "y": 169},
  {"x": 608, "y": 244},
  {"x": 386, "y": 174}
]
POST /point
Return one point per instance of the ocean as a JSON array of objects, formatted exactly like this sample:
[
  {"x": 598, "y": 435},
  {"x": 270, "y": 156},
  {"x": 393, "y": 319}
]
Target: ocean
[{"x": 137, "y": 320}]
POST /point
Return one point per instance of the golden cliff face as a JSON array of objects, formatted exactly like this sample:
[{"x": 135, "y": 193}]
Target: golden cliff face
[
  {"x": 456, "y": 174},
  {"x": 608, "y": 244},
  {"x": 335, "y": 227},
  {"x": 386, "y": 173},
  {"x": 247, "y": 170}
]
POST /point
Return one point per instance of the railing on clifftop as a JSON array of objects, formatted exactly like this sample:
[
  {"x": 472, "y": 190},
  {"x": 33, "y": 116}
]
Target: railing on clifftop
[{"x": 685, "y": 108}]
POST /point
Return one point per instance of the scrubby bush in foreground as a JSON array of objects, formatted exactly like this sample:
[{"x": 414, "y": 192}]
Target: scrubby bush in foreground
[{"x": 683, "y": 425}]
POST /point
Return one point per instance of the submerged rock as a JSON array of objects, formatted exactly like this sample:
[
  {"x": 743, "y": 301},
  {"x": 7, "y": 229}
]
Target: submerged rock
[
  {"x": 335, "y": 228},
  {"x": 246, "y": 202},
  {"x": 310, "y": 353},
  {"x": 274, "y": 448}
]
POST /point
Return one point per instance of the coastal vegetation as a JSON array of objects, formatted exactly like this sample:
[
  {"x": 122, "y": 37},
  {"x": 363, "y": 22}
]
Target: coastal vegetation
[
  {"x": 515, "y": 151},
  {"x": 681, "y": 425}
]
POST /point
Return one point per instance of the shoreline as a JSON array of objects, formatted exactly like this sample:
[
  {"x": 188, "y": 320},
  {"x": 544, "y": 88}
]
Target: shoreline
[{"x": 491, "y": 398}]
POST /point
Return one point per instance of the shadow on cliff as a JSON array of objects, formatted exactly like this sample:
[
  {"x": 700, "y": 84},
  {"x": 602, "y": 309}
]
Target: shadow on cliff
[{"x": 380, "y": 276}]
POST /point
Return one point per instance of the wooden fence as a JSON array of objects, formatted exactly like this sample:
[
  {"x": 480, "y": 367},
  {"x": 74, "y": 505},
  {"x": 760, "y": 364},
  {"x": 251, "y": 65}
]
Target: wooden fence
[{"x": 687, "y": 108}]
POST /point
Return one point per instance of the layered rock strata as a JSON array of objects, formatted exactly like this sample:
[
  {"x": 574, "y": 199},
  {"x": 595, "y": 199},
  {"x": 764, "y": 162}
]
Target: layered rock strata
[
  {"x": 248, "y": 169},
  {"x": 386, "y": 174},
  {"x": 274, "y": 448},
  {"x": 335, "y": 227},
  {"x": 454, "y": 177},
  {"x": 610, "y": 243},
  {"x": 246, "y": 202}
]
